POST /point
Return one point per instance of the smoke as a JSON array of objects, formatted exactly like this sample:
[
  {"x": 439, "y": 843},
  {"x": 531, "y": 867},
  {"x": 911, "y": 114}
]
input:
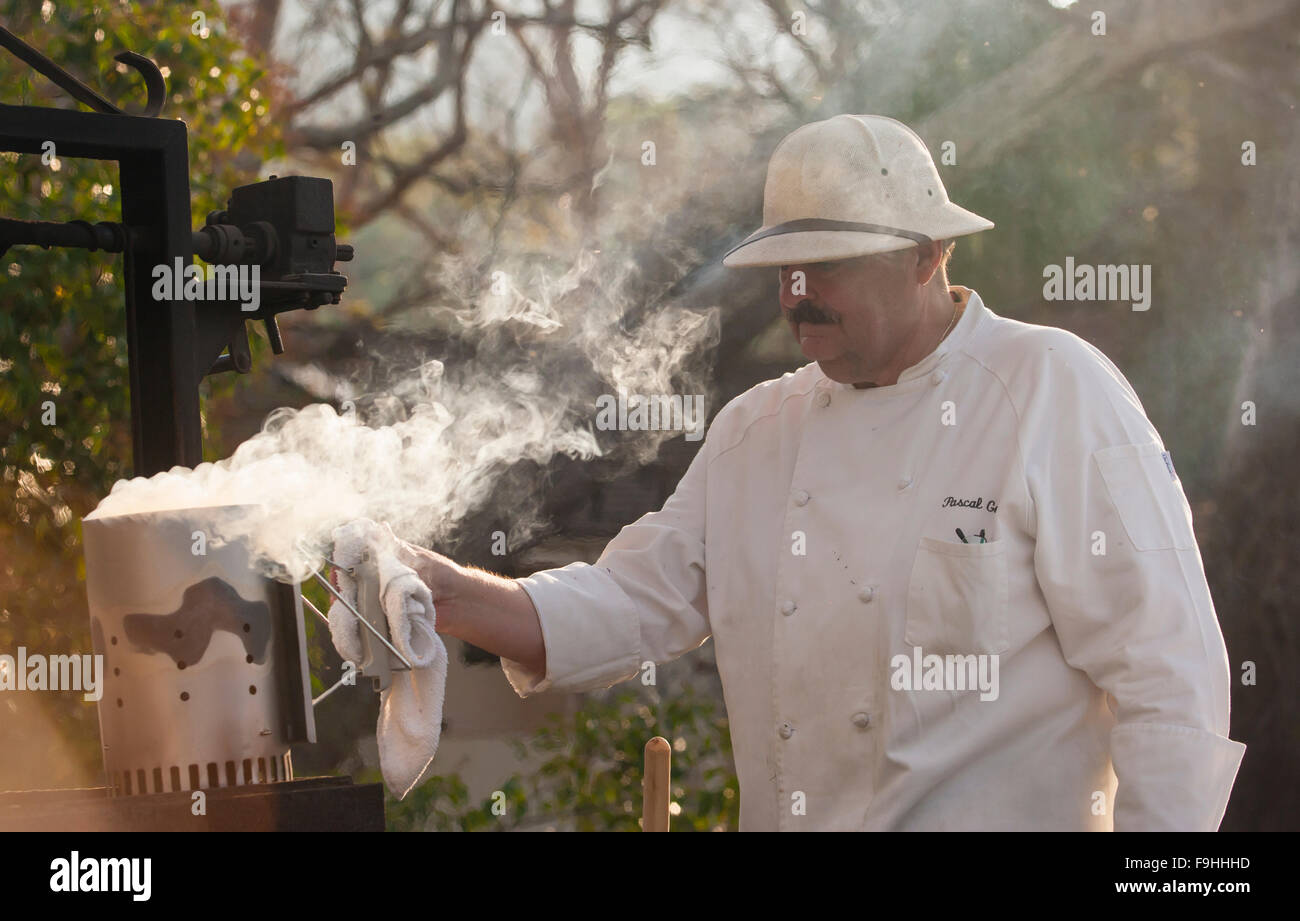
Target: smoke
[{"x": 430, "y": 443}]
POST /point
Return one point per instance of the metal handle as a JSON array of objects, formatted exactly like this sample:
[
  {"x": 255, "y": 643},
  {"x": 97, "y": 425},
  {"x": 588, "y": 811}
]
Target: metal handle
[
  {"x": 337, "y": 684},
  {"x": 379, "y": 636}
]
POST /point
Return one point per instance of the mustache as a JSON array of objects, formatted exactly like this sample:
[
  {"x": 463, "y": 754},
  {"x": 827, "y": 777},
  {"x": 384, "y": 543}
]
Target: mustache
[{"x": 808, "y": 312}]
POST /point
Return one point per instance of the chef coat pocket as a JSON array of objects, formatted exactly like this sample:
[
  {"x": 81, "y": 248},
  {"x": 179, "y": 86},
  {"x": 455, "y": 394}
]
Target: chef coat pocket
[
  {"x": 1141, "y": 483},
  {"x": 957, "y": 598}
]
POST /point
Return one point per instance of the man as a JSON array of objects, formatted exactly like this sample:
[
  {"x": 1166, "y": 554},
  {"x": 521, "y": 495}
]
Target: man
[{"x": 948, "y": 566}]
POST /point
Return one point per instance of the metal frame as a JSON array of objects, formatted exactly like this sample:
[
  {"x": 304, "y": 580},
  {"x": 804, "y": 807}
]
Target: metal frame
[{"x": 171, "y": 344}]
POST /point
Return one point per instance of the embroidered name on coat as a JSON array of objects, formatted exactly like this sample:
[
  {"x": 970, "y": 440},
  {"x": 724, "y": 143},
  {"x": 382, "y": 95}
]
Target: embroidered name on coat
[{"x": 978, "y": 502}]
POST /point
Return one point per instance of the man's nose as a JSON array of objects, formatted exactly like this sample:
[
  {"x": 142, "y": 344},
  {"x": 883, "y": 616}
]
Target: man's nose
[{"x": 796, "y": 285}]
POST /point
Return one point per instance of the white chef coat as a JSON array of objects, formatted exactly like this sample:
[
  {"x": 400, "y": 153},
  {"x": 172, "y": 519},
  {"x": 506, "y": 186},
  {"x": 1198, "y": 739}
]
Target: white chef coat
[{"x": 1112, "y": 709}]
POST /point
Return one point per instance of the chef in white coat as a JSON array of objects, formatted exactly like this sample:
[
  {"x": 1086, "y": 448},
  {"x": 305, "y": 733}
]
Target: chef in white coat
[{"x": 948, "y": 566}]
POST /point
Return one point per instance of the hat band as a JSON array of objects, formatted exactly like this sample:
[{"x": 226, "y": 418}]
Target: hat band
[{"x": 803, "y": 225}]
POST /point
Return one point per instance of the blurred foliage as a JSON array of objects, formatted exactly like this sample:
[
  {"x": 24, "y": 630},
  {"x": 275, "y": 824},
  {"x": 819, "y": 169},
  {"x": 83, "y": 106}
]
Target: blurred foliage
[
  {"x": 63, "y": 343},
  {"x": 442, "y": 804},
  {"x": 591, "y": 769}
]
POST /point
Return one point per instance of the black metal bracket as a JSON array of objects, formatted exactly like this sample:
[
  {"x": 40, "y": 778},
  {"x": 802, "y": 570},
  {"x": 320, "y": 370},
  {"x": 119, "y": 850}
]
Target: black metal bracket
[
  {"x": 284, "y": 226},
  {"x": 154, "y": 83}
]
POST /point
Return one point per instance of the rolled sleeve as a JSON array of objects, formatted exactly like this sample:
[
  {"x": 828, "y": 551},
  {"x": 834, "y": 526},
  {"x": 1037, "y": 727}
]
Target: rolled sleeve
[
  {"x": 589, "y": 627},
  {"x": 1195, "y": 768}
]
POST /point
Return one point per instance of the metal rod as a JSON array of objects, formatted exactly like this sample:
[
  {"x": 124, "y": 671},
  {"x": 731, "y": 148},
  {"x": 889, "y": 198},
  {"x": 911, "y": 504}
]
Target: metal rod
[
  {"x": 64, "y": 80},
  {"x": 315, "y": 610},
  {"x": 307, "y": 551},
  {"x": 106, "y": 236},
  {"x": 365, "y": 623},
  {"x": 330, "y": 690}
]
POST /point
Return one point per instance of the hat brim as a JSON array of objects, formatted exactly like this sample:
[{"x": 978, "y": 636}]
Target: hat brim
[{"x": 805, "y": 246}]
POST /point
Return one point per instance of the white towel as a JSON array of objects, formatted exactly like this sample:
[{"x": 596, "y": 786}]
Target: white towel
[{"x": 410, "y": 710}]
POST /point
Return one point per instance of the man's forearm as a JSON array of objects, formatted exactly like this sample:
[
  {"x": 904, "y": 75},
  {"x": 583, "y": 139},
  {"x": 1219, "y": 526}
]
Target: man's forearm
[{"x": 492, "y": 613}]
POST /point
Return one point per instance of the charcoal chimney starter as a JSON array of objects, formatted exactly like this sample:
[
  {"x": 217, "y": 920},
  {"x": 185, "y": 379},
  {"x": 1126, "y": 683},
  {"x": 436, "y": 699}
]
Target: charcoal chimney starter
[{"x": 205, "y": 658}]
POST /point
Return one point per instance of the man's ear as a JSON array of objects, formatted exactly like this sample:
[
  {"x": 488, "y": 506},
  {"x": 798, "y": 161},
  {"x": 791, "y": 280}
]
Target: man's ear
[{"x": 928, "y": 258}]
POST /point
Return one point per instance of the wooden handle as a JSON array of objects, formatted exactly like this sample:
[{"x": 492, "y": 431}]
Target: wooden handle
[{"x": 655, "y": 784}]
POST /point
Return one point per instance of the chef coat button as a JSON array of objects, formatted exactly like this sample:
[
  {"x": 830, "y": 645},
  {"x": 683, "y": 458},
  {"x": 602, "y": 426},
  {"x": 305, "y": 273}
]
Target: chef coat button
[
  {"x": 862, "y": 720},
  {"x": 801, "y": 497},
  {"x": 786, "y": 730},
  {"x": 904, "y": 482},
  {"x": 938, "y": 377},
  {"x": 788, "y": 608},
  {"x": 866, "y": 593},
  {"x": 823, "y": 399}
]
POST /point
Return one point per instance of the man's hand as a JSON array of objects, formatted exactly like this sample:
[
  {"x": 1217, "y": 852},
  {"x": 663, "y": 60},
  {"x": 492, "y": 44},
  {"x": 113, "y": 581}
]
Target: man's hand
[
  {"x": 489, "y": 611},
  {"x": 441, "y": 574},
  {"x": 436, "y": 571}
]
